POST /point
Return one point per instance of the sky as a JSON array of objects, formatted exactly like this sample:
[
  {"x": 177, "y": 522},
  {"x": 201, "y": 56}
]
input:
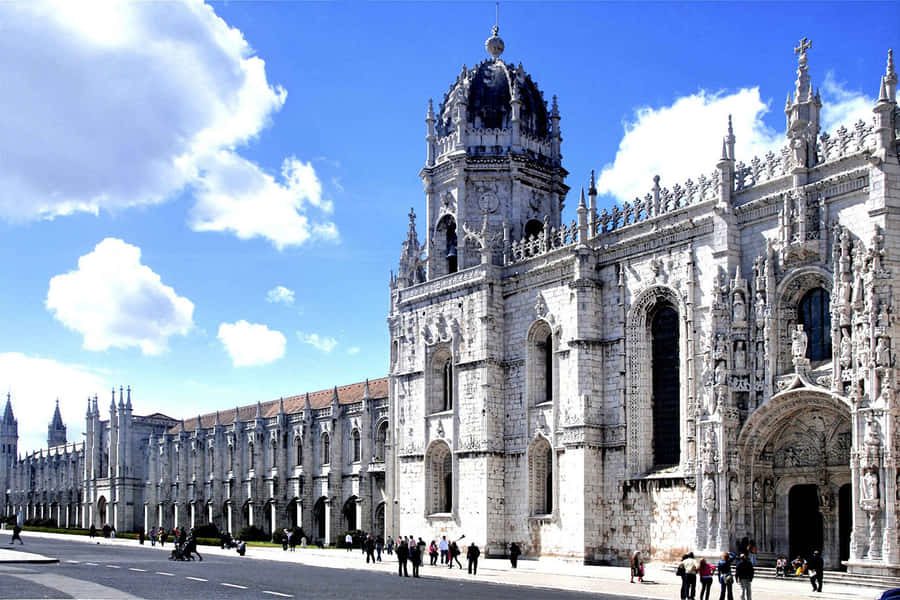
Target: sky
[{"x": 204, "y": 201}]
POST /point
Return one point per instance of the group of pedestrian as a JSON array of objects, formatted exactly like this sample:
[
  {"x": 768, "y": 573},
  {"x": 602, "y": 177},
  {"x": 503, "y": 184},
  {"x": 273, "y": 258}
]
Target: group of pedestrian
[
  {"x": 410, "y": 550},
  {"x": 161, "y": 534}
]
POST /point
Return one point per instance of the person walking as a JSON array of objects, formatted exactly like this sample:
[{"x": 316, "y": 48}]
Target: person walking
[
  {"x": 348, "y": 541},
  {"x": 454, "y": 555},
  {"x": 390, "y": 546},
  {"x": 92, "y": 532},
  {"x": 705, "y": 570},
  {"x": 415, "y": 557},
  {"x": 637, "y": 567},
  {"x": 689, "y": 581},
  {"x": 433, "y": 553},
  {"x": 370, "y": 549},
  {"x": 153, "y": 536},
  {"x": 444, "y": 547},
  {"x": 514, "y": 552},
  {"x": 744, "y": 574},
  {"x": 472, "y": 555},
  {"x": 814, "y": 568},
  {"x": 679, "y": 572},
  {"x": 726, "y": 579},
  {"x": 17, "y": 535},
  {"x": 379, "y": 547},
  {"x": 402, "y": 557},
  {"x": 163, "y": 536}
]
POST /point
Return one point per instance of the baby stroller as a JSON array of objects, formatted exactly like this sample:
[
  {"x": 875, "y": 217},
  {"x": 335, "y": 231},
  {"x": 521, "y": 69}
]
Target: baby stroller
[{"x": 180, "y": 552}]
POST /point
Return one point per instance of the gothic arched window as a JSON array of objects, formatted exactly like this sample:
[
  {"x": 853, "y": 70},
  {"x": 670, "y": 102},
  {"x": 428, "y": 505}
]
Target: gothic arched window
[
  {"x": 814, "y": 313},
  {"x": 540, "y": 364},
  {"x": 326, "y": 449},
  {"x": 540, "y": 477},
  {"x": 381, "y": 441},
  {"x": 439, "y": 478},
  {"x": 299, "y": 452},
  {"x": 666, "y": 386},
  {"x": 447, "y": 385},
  {"x": 533, "y": 229},
  {"x": 355, "y": 443}
]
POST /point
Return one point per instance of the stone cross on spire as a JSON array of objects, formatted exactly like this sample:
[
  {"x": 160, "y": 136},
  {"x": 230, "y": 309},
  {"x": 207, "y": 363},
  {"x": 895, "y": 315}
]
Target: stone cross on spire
[
  {"x": 805, "y": 45},
  {"x": 803, "y": 92}
]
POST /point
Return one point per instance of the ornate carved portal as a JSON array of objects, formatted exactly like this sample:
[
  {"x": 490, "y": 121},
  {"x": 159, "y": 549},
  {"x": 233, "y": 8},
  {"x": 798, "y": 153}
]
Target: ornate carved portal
[{"x": 795, "y": 452}]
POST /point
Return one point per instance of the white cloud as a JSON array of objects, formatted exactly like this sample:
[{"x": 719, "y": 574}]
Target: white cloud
[
  {"x": 280, "y": 294},
  {"x": 684, "y": 139},
  {"x": 251, "y": 344},
  {"x": 36, "y": 383},
  {"x": 323, "y": 343},
  {"x": 114, "y": 301},
  {"x": 122, "y": 104},
  {"x": 353, "y": 351},
  {"x": 234, "y": 195}
]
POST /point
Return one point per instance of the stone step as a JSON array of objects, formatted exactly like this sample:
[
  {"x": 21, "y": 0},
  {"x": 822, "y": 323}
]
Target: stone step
[{"x": 882, "y": 582}]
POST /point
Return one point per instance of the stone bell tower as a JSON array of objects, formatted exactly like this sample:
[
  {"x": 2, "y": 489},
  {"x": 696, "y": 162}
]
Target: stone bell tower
[{"x": 493, "y": 164}]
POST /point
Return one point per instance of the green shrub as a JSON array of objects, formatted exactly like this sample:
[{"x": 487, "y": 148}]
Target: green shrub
[
  {"x": 205, "y": 541},
  {"x": 207, "y": 530},
  {"x": 253, "y": 534}
]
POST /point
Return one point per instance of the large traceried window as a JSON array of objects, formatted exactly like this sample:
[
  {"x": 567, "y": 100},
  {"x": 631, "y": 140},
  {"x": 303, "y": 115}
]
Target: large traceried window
[
  {"x": 666, "y": 389},
  {"x": 441, "y": 381},
  {"x": 541, "y": 364},
  {"x": 540, "y": 477},
  {"x": 439, "y": 479},
  {"x": 814, "y": 313}
]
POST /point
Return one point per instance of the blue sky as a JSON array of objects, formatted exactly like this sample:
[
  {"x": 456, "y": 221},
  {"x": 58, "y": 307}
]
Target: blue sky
[{"x": 204, "y": 202}]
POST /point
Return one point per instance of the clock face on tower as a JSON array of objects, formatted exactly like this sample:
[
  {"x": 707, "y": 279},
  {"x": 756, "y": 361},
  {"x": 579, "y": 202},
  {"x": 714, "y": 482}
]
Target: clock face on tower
[{"x": 488, "y": 202}]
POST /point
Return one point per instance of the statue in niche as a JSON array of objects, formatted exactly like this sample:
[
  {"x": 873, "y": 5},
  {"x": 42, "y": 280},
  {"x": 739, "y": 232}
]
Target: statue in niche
[
  {"x": 708, "y": 493},
  {"x": 757, "y": 491},
  {"x": 760, "y": 356},
  {"x": 883, "y": 319},
  {"x": 720, "y": 398},
  {"x": 734, "y": 493},
  {"x": 760, "y": 307},
  {"x": 798, "y": 342},
  {"x": 846, "y": 356},
  {"x": 882, "y": 353},
  {"x": 721, "y": 349},
  {"x": 873, "y": 432},
  {"x": 707, "y": 369},
  {"x": 869, "y": 488},
  {"x": 708, "y": 452},
  {"x": 740, "y": 355},
  {"x": 769, "y": 490},
  {"x": 884, "y": 398},
  {"x": 721, "y": 376},
  {"x": 740, "y": 309}
]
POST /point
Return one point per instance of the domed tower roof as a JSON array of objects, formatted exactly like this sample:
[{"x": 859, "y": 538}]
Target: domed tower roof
[{"x": 501, "y": 100}]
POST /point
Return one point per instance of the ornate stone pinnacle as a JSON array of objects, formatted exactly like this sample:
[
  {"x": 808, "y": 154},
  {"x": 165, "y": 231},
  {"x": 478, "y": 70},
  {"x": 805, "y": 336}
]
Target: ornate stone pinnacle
[{"x": 494, "y": 45}]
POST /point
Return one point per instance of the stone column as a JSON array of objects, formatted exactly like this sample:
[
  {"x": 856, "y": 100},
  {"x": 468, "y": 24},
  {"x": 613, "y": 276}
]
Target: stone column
[
  {"x": 193, "y": 513},
  {"x": 229, "y": 519},
  {"x": 327, "y": 510},
  {"x": 299, "y": 513},
  {"x": 273, "y": 516}
]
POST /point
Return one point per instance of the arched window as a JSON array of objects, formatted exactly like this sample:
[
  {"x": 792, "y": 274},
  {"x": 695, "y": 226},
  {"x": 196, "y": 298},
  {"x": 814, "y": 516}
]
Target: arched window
[
  {"x": 299, "y": 452},
  {"x": 381, "y": 441},
  {"x": 355, "y": 443},
  {"x": 439, "y": 478},
  {"x": 231, "y": 457},
  {"x": 814, "y": 313},
  {"x": 540, "y": 364},
  {"x": 212, "y": 462},
  {"x": 540, "y": 477},
  {"x": 251, "y": 456},
  {"x": 274, "y": 459},
  {"x": 445, "y": 247},
  {"x": 326, "y": 449},
  {"x": 447, "y": 385},
  {"x": 666, "y": 388}
]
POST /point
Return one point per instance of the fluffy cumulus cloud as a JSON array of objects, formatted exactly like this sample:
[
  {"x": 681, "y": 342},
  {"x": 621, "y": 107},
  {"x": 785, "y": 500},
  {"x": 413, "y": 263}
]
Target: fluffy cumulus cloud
[
  {"x": 280, "y": 295},
  {"x": 35, "y": 383},
  {"x": 251, "y": 344},
  {"x": 123, "y": 104},
  {"x": 684, "y": 139},
  {"x": 320, "y": 342},
  {"x": 114, "y": 301},
  {"x": 353, "y": 350}
]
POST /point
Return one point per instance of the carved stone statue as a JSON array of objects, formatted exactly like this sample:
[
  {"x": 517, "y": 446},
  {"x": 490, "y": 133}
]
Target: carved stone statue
[
  {"x": 760, "y": 308},
  {"x": 869, "y": 490},
  {"x": 798, "y": 343},
  {"x": 757, "y": 491},
  {"x": 882, "y": 353},
  {"x": 740, "y": 355},
  {"x": 708, "y": 493},
  {"x": 721, "y": 349},
  {"x": 846, "y": 357},
  {"x": 769, "y": 488},
  {"x": 721, "y": 376},
  {"x": 760, "y": 356},
  {"x": 740, "y": 308}
]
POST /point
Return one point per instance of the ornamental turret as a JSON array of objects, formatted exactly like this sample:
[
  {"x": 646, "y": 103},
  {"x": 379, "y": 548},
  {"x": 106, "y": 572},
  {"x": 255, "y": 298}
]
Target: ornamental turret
[
  {"x": 56, "y": 431},
  {"x": 802, "y": 112}
]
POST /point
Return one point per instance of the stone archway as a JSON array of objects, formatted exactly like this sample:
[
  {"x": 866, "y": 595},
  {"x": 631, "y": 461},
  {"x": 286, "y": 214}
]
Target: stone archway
[{"x": 795, "y": 454}]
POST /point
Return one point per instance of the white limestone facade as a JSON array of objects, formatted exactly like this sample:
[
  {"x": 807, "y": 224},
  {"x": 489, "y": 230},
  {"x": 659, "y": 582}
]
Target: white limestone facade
[{"x": 710, "y": 362}]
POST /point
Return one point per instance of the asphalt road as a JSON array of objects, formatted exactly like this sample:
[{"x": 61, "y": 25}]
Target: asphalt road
[{"x": 112, "y": 571}]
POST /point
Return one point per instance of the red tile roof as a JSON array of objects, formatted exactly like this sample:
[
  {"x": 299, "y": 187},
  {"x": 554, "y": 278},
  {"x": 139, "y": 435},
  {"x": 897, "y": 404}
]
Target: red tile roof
[{"x": 347, "y": 394}]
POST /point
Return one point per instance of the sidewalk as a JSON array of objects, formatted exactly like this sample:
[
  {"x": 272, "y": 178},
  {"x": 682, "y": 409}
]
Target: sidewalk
[
  {"x": 18, "y": 556},
  {"x": 554, "y": 574}
]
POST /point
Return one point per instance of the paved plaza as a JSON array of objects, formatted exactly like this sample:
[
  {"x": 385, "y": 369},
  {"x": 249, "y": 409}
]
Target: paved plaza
[{"x": 123, "y": 569}]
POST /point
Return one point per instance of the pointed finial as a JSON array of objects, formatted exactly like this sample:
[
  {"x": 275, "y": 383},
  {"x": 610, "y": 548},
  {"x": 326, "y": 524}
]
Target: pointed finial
[
  {"x": 281, "y": 405},
  {"x": 592, "y": 188},
  {"x": 366, "y": 389},
  {"x": 554, "y": 108},
  {"x": 581, "y": 203},
  {"x": 334, "y": 398},
  {"x": 883, "y": 93},
  {"x": 128, "y": 402},
  {"x": 724, "y": 150},
  {"x": 730, "y": 128},
  {"x": 412, "y": 216},
  {"x": 218, "y": 421},
  {"x": 258, "y": 409},
  {"x": 430, "y": 113}
]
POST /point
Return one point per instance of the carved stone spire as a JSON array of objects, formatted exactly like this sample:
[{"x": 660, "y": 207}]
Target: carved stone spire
[
  {"x": 412, "y": 269},
  {"x": 8, "y": 417},
  {"x": 803, "y": 113},
  {"x": 890, "y": 77}
]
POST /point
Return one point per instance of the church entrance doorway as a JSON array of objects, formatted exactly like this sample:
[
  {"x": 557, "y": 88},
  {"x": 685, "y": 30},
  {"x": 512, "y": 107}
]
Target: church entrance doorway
[
  {"x": 319, "y": 519},
  {"x": 805, "y": 521}
]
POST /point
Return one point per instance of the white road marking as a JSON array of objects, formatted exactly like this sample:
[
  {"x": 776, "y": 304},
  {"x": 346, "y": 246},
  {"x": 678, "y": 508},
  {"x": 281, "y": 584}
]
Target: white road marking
[
  {"x": 196, "y": 579},
  {"x": 166, "y": 574},
  {"x": 92, "y": 564},
  {"x": 277, "y": 594},
  {"x": 114, "y": 566},
  {"x": 240, "y": 587},
  {"x": 74, "y": 562},
  {"x": 138, "y": 570}
]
